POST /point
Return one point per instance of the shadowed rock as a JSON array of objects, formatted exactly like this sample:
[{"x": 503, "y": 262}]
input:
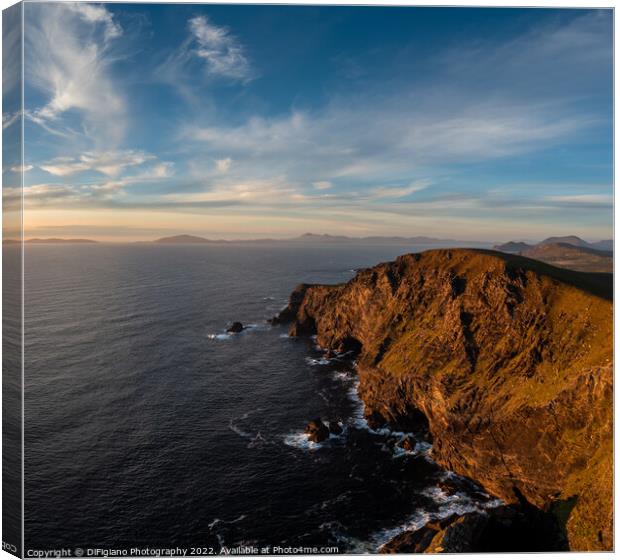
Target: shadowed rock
[
  {"x": 501, "y": 529},
  {"x": 316, "y": 430},
  {"x": 407, "y": 443},
  {"x": 335, "y": 428}
]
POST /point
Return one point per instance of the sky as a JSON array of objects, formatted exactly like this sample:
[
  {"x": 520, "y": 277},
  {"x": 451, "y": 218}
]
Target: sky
[{"x": 144, "y": 120}]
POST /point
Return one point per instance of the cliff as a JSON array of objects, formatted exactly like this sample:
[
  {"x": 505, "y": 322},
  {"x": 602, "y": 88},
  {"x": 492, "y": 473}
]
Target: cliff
[{"x": 508, "y": 359}]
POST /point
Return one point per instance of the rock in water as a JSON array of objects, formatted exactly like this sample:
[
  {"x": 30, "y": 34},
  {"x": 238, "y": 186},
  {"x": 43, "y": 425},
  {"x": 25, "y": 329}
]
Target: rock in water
[
  {"x": 316, "y": 430},
  {"x": 508, "y": 358},
  {"x": 236, "y": 327},
  {"x": 407, "y": 443}
]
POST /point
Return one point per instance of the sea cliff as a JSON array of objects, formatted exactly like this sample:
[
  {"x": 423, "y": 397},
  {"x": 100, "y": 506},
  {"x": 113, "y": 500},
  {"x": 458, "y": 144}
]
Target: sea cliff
[{"x": 508, "y": 360}]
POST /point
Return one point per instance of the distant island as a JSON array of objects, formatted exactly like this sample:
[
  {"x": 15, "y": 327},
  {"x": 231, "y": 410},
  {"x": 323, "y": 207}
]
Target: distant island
[
  {"x": 58, "y": 240},
  {"x": 49, "y": 241}
]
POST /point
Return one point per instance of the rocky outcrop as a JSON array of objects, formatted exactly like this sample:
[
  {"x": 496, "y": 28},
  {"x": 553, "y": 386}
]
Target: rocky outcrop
[
  {"x": 407, "y": 443},
  {"x": 235, "y": 327},
  {"x": 316, "y": 431},
  {"x": 507, "y": 359},
  {"x": 502, "y": 529}
]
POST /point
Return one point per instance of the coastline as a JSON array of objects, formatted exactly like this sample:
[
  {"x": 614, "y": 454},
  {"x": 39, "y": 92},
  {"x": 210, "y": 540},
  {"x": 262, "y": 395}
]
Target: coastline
[{"x": 538, "y": 491}]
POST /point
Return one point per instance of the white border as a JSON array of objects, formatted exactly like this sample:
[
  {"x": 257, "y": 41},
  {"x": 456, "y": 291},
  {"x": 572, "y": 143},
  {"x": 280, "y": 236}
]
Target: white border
[{"x": 403, "y": 3}]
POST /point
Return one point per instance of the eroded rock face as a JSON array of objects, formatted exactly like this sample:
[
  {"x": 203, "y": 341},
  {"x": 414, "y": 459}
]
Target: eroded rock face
[{"x": 508, "y": 359}]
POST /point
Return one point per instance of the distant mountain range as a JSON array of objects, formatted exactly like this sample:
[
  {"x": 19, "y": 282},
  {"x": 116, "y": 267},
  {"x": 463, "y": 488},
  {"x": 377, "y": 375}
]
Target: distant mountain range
[
  {"x": 569, "y": 252},
  {"x": 313, "y": 238},
  {"x": 518, "y": 246},
  {"x": 556, "y": 249}
]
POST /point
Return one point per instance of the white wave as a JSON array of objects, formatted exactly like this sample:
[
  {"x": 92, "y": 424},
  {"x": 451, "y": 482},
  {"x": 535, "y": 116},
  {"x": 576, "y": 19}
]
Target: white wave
[
  {"x": 239, "y": 431},
  {"x": 318, "y": 361},
  {"x": 447, "y": 505},
  {"x": 342, "y": 376},
  {"x": 342, "y": 435},
  {"x": 219, "y": 336},
  {"x": 358, "y": 420},
  {"x": 217, "y": 521},
  {"x": 421, "y": 448},
  {"x": 258, "y": 441},
  {"x": 459, "y": 502},
  {"x": 229, "y": 335},
  {"x": 351, "y": 544},
  {"x": 300, "y": 441},
  {"x": 383, "y": 536}
]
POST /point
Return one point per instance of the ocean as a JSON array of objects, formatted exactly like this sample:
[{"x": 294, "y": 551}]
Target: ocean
[{"x": 146, "y": 425}]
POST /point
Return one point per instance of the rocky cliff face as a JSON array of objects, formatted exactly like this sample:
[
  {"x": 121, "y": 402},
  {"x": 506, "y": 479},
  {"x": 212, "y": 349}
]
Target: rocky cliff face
[{"x": 509, "y": 361}]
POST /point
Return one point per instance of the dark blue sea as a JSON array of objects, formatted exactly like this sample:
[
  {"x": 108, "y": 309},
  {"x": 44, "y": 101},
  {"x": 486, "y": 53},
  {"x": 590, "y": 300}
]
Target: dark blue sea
[{"x": 148, "y": 426}]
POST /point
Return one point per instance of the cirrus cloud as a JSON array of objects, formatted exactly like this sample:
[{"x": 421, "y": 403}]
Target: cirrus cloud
[
  {"x": 223, "y": 54},
  {"x": 67, "y": 63}
]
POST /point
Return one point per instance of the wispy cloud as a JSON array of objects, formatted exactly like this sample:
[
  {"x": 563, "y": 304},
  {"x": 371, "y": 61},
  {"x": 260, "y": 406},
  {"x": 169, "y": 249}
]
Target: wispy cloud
[
  {"x": 562, "y": 54},
  {"x": 94, "y": 192},
  {"x": 251, "y": 191},
  {"x": 419, "y": 127},
  {"x": 224, "y": 55},
  {"x": 108, "y": 163},
  {"x": 370, "y": 142},
  {"x": 21, "y": 168},
  {"x": 67, "y": 60},
  {"x": 9, "y": 119},
  {"x": 97, "y": 14},
  {"x": 400, "y": 192},
  {"x": 584, "y": 200}
]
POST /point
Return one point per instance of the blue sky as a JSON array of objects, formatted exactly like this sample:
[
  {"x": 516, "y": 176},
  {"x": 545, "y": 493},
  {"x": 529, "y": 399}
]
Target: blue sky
[{"x": 246, "y": 121}]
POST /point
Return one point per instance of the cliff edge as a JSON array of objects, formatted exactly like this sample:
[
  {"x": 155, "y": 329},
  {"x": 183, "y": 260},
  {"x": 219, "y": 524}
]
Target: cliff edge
[{"x": 508, "y": 359}]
